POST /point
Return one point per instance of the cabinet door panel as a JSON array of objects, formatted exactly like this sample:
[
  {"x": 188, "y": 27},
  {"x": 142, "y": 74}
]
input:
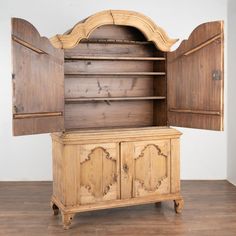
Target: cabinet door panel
[
  {"x": 145, "y": 168},
  {"x": 195, "y": 79},
  {"x": 99, "y": 172},
  {"x": 38, "y": 81}
]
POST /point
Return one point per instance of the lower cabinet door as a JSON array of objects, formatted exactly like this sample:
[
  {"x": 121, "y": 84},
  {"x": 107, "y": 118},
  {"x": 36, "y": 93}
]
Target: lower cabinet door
[
  {"x": 99, "y": 172},
  {"x": 145, "y": 168}
]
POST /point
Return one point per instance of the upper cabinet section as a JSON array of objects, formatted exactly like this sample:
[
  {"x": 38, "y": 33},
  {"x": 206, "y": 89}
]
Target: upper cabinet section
[
  {"x": 195, "y": 79},
  {"x": 83, "y": 29},
  {"x": 38, "y": 81},
  {"x": 116, "y": 69}
]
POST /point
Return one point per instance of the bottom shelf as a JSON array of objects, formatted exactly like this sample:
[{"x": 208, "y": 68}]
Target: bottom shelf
[{"x": 132, "y": 113}]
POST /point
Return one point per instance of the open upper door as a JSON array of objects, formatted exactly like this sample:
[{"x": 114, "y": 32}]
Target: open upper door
[
  {"x": 195, "y": 79},
  {"x": 38, "y": 81}
]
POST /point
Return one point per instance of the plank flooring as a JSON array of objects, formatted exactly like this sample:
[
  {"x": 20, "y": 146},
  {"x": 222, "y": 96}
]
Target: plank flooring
[{"x": 210, "y": 209}]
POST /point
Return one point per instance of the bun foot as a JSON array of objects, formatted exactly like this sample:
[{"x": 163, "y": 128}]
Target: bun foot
[
  {"x": 179, "y": 205},
  {"x": 54, "y": 208},
  {"x": 66, "y": 220}
]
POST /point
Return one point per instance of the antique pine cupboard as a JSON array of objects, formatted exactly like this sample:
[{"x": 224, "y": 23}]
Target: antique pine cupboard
[{"x": 108, "y": 90}]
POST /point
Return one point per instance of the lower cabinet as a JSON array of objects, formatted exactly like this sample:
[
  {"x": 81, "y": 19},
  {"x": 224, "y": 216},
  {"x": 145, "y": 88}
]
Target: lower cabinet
[{"x": 98, "y": 170}]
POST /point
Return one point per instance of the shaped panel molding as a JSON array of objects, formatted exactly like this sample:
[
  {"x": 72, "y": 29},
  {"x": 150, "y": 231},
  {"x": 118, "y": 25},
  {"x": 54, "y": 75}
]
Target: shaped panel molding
[
  {"x": 98, "y": 172},
  {"x": 151, "y": 167}
]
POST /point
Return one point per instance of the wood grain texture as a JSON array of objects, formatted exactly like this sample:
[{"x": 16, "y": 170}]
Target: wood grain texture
[
  {"x": 109, "y": 114},
  {"x": 107, "y": 49},
  {"x": 99, "y": 165},
  {"x": 209, "y": 210},
  {"x": 195, "y": 98},
  {"x": 149, "y": 169},
  {"x": 114, "y": 17},
  {"x": 38, "y": 81},
  {"x": 175, "y": 165},
  {"x": 109, "y": 86},
  {"x": 89, "y": 82},
  {"x": 101, "y": 172}
]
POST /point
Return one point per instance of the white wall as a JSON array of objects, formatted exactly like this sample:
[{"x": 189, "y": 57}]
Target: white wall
[
  {"x": 203, "y": 153},
  {"x": 231, "y": 91}
]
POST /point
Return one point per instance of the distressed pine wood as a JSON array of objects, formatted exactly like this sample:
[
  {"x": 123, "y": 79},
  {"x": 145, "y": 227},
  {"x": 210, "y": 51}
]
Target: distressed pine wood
[
  {"x": 175, "y": 165},
  {"x": 195, "y": 98},
  {"x": 92, "y": 86},
  {"x": 38, "y": 81},
  {"x": 149, "y": 169},
  {"x": 105, "y": 114},
  {"x": 101, "y": 86},
  {"x": 117, "y": 74},
  {"x": 113, "y": 168},
  {"x": 114, "y": 17}
]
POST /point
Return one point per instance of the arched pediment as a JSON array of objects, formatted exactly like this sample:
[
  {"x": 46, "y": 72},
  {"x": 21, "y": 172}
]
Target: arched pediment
[{"x": 83, "y": 29}]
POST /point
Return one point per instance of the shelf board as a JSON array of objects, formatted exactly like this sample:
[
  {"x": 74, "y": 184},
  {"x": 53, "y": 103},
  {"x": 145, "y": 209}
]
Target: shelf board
[
  {"x": 72, "y": 100},
  {"x": 115, "y": 58},
  {"x": 117, "y": 73}
]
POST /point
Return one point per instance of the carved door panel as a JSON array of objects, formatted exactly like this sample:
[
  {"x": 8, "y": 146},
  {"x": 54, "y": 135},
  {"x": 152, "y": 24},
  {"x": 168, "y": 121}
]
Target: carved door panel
[
  {"x": 145, "y": 168},
  {"x": 99, "y": 172}
]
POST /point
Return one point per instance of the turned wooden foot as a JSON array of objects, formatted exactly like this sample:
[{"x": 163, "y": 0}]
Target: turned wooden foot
[
  {"x": 54, "y": 208},
  {"x": 67, "y": 219},
  {"x": 179, "y": 205}
]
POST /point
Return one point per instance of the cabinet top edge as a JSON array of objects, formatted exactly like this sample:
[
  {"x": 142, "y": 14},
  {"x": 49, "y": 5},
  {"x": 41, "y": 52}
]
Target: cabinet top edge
[{"x": 122, "y": 133}]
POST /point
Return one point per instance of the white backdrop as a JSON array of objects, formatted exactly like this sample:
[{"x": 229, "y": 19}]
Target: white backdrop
[
  {"x": 203, "y": 153},
  {"x": 231, "y": 91}
]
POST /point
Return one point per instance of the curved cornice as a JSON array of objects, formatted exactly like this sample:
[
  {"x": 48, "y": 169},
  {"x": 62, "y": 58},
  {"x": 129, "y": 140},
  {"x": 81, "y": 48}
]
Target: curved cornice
[{"x": 83, "y": 29}]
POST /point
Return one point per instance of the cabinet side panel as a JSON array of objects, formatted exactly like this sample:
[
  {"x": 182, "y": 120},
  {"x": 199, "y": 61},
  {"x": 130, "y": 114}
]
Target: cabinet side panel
[
  {"x": 175, "y": 166},
  {"x": 58, "y": 171},
  {"x": 72, "y": 174}
]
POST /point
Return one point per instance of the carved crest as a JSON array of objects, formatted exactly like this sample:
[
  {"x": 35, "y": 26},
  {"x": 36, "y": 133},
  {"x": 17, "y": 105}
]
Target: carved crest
[{"x": 83, "y": 29}]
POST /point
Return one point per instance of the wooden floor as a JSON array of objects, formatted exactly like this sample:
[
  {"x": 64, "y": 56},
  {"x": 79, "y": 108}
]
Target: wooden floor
[{"x": 210, "y": 209}]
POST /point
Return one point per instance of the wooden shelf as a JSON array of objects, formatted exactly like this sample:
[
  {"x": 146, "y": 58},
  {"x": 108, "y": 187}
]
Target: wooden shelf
[
  {"x": 117, "y": 73},
  {"x": 115, "y": 58},
  {"x": 72, "y": 100}
]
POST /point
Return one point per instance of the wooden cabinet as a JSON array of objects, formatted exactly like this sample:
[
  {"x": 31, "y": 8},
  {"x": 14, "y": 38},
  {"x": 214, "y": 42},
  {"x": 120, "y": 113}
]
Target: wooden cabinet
[
  {"x": 89, "y": 173},
  {"x": 112, "y": 87}
]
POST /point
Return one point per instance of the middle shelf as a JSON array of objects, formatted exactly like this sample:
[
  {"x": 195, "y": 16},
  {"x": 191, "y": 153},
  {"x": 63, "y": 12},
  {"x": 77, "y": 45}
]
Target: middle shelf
[{"x": 72, "y": 100}]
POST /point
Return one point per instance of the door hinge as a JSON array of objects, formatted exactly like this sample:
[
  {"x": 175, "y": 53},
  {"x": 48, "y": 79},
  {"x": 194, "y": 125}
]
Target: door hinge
[
  {"x": 15, "y": 109},
  {"x": 216, "y": 75}
]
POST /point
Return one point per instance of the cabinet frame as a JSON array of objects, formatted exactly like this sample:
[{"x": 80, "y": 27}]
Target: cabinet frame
[{"x": 67, "y": 159}]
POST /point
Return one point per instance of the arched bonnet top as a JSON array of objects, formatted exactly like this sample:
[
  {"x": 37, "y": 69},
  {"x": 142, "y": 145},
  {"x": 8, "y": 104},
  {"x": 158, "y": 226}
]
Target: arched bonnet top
[{"x": 83, "y": 29}]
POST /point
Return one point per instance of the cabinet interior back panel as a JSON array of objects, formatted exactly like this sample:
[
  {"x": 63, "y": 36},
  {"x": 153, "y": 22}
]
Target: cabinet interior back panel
[
  {"x": 106, "y": 86},
  {"x": 110, "y": 49},
  {"x": 86, "y": 68},
  {"x": 101, "y": 66},
  {"x": 109, "y": 114}
]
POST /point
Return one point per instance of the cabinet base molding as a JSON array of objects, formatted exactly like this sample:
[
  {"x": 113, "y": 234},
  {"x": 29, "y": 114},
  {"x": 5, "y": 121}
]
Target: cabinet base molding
[{"x": 69, "y": 212}]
